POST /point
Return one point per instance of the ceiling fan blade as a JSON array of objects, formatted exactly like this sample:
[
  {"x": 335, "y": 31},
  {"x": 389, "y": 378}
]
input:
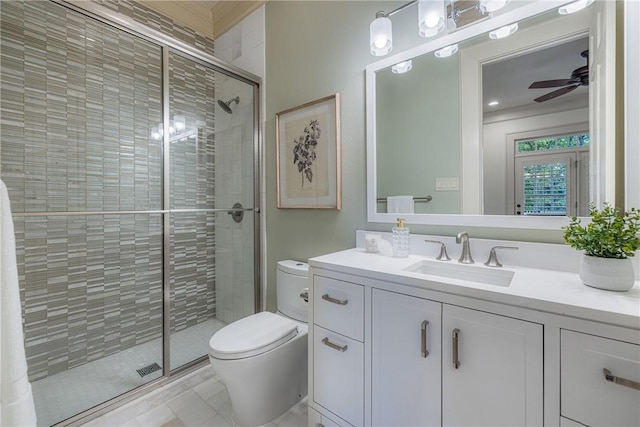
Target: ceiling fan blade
[
  {"x": 543, "y": 84},
  {"x": 556, "y": 93}
]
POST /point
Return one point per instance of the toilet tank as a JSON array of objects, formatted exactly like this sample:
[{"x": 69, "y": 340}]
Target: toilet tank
[{"x": 292, "y": 279}]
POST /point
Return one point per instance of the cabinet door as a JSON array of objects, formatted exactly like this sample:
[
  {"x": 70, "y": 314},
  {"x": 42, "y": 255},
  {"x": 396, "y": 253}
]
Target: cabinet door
[
  {"x": 492, "y": 372},
  {"x": 599, "y": 380},
  {"x": 338, "y": 375},
  {"x": 405, "y": 360}
]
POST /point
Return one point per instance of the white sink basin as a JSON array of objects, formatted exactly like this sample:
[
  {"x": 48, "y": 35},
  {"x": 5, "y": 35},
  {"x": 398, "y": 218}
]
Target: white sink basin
[{"x": 454, "y": 270}]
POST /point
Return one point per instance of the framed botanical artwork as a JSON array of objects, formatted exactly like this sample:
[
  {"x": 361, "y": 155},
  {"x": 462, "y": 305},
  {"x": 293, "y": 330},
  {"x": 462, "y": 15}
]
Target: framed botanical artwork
[{"x": 308, "y": 159}]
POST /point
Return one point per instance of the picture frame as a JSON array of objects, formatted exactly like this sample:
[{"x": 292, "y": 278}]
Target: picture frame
[{"x": 308, "y": 155}]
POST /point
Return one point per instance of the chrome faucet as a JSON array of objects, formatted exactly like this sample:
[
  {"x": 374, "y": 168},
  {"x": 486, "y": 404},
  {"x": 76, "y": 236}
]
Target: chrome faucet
[{"x": 465, "y": 256}]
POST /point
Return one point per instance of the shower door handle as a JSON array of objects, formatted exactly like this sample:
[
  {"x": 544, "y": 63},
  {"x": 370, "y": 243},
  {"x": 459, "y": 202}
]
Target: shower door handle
[{"x": 237, "y": 212}]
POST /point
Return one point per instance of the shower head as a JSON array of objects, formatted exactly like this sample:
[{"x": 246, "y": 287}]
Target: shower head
[{"x": 226, "y": 105}]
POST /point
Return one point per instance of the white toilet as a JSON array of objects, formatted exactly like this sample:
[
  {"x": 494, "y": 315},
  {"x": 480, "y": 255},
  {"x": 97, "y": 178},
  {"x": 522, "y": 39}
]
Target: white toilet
[{"x": 262, "y": 358}]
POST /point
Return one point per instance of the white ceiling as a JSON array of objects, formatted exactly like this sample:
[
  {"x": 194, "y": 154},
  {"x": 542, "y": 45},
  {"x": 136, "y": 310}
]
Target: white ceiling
[{"x": 507, "y": 81}]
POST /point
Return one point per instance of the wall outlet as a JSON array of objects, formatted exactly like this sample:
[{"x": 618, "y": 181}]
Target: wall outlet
[{"x": 447, "y": 184}]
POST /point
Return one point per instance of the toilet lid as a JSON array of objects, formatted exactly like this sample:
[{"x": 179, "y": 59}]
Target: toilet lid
[{"x": 251, "y": 336}]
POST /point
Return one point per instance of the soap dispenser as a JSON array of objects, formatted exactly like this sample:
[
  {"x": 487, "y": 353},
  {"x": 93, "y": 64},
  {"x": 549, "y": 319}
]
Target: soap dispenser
[{"x": 400, "y": 239}]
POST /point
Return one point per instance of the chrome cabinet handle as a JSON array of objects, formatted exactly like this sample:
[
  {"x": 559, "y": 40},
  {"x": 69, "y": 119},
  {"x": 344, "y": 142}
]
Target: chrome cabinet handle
[
  {"x": 456, "y": 362},
  {"x": 326, "y": 297},
  {"x": 424, "y": 351},
  {"x": 305, "y": 294},
  {"x": 621, "y": 381},
  {"x": 334, "y": 346}
]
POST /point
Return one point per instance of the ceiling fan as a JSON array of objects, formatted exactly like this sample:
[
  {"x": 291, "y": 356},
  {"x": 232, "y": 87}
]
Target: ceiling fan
[{"x": 579, "y": 77}]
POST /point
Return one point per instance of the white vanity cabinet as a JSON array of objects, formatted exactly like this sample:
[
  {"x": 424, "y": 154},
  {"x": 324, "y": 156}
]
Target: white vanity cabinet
[
  {"x": 405, "y": 360},
  {"x": 492, "y": 369},
  {"x": 600, "y": 380},
  {"x": 336, "y": 335},
  {"x": 438, "y": 364},
  {"x": 390, "y": 346}
]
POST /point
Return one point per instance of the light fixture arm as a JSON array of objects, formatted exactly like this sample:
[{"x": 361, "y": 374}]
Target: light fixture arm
[
  {"x": 454, "y": 12},
  {"x": 381, "y": 14}
]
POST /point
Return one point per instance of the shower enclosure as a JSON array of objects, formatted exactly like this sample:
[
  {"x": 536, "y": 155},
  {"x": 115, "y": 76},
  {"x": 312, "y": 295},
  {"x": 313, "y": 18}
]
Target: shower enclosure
[{"x": 131, "y": 161}]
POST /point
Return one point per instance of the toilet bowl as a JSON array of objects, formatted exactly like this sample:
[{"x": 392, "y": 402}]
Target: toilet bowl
[{"x": 262, "y": 358}]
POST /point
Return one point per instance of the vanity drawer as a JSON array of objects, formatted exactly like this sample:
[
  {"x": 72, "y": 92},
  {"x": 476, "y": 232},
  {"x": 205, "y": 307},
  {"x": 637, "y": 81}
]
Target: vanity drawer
[
  {"x": 339, "y": 306},
  {"x": 338, "y": 374},
  {"x": 586, "y": 395}
]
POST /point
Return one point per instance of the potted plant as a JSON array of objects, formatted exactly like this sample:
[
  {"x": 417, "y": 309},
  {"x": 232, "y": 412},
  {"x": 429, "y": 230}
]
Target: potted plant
[{"x": 608, "y": 241}]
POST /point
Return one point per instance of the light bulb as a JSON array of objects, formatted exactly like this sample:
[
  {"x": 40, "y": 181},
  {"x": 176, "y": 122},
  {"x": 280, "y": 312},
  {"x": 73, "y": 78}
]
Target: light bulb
[
  {"x": 431, "y": 17},
  {"x": 380, "y": 36},
  {"x": 380, "y": 42}
]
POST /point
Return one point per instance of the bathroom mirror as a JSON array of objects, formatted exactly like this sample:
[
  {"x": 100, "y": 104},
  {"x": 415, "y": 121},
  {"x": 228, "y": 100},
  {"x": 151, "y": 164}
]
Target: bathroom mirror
[{"x": 436, "y": 138}]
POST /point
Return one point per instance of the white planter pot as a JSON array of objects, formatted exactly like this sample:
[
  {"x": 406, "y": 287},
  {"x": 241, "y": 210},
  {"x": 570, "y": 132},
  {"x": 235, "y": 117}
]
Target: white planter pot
[{"x": 607, "y": 273}]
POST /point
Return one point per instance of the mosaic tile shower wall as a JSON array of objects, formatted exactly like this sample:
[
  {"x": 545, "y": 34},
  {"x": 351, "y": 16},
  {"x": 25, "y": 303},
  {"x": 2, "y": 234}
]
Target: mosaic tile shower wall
[
  {"x": 78, "y": 101},
  {"x": 192, "y": 158}
]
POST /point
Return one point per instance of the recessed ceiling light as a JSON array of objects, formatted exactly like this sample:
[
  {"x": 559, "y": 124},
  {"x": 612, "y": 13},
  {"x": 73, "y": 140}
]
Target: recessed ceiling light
[
  {"x": 503, "y": 32},
  {"x": 574, "y": 7},
  {"x": 493, "y": 103},
  {"x": 446, "y": 51},
  {"x": 402, "y": 67}
]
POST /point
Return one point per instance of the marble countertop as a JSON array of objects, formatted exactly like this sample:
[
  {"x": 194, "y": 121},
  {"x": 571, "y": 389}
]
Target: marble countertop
[{"x": 550, "y": 291}]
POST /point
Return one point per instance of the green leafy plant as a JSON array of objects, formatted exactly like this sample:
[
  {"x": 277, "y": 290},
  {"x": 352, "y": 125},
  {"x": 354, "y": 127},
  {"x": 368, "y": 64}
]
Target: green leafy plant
[
  {"x": 304, "y": 150},
  {"x": 612, "y": 233}
]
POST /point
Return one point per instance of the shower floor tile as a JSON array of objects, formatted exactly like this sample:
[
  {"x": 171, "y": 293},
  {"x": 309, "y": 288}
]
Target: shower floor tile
[
  {"x": 65, "y": 394},
  {"x": 204, "y": 402}
]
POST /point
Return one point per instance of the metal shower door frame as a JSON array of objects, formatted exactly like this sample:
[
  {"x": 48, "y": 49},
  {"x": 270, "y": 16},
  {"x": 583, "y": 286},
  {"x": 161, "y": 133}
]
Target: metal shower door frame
[{"x": 169, "y": 44}]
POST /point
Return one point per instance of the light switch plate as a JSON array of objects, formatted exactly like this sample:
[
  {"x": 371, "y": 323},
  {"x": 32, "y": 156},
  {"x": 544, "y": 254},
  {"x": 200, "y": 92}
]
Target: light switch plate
[{"x": 447, "y": 184}]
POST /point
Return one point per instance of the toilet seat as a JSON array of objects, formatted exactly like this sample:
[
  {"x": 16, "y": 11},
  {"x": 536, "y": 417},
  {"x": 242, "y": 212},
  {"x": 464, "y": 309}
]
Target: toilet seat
[{"x": 252, "y": 335}]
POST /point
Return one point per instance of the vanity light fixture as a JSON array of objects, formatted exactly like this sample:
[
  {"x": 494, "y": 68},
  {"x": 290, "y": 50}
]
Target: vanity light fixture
[
  {"x": 431, "y": 17},
  {"x": 503, "y": 32},
  {"x": 493, "y": 103},
  {"x": 446, "y": 52},
  {"x": 402, "y": 67},
  {"x": 492, "y": 5},
  {"x": 574, "y": 7},
  {"x": 380, "y": 36}
]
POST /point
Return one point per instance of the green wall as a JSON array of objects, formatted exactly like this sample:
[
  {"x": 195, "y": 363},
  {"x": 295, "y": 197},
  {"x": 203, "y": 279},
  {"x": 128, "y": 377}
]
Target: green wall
[
  {"x": 418, "y": 132},
  {"x": 314, "y": 49}
]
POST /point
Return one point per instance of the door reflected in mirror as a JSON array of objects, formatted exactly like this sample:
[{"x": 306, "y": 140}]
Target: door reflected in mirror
[{"x": 535, "y": 132}]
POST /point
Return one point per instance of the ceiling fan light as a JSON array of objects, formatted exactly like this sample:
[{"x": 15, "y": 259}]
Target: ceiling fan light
[
  {"x": 503, "y": 32},
  {"x": 431, "y": 19},
  {"x": 574, "y": 7},
  {"x": 487, "y": 6},
  {"x": 402, "y": 67},
  {"x": 380, "y": 36},
  {"x": 446, "y": 52}
]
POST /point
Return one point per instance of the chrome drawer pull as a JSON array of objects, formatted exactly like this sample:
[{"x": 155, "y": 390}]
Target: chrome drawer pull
[
  {"x": 424, "y": 352},
  {"x": 456, "y": 334},
  {"x": 334, "y": 346},
  {"x": 326, "y": 297},
  {"x": 622, "y": 381}
]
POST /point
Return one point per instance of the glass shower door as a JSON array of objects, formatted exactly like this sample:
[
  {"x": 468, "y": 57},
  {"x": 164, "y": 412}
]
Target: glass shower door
[
  {"x": 84, "y": 179},
  {"x": 211, "y": 195}
]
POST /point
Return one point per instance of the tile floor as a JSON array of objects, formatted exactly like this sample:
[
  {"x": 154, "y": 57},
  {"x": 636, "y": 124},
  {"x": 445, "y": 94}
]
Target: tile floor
[
  {"x": 198, "y": 399},
  {"x": 67, "y": 393}
]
